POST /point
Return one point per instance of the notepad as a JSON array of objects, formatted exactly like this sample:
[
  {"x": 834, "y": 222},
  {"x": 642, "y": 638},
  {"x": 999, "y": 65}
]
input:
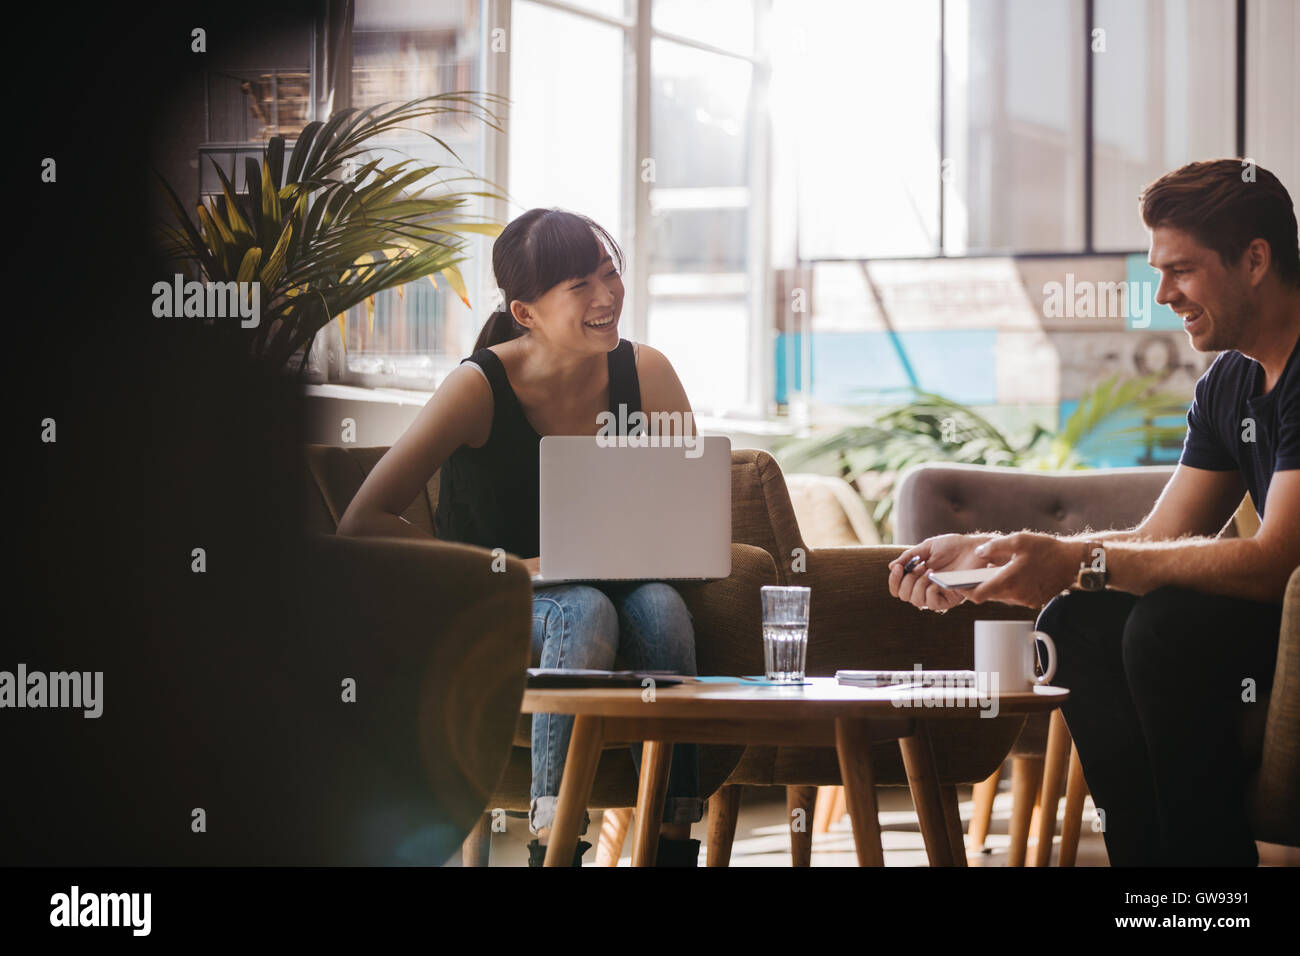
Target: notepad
[{"x": 921, "y": 678}]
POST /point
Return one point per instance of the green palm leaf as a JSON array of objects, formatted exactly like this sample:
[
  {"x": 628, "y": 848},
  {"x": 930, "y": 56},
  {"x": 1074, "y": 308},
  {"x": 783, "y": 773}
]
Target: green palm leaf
[
  {"x": 1114, "y": 413},
  {"x": 333, "y": 243}
]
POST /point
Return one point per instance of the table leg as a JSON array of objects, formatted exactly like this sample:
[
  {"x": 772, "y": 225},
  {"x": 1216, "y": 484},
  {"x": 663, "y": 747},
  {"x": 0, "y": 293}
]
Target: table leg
[
  {"x": 853, "y": 745},
  {"x": 724, "y": 809},
  {"x": 1054, "y": 770},
  {"x": 1075, "y": 789},
  {"x": 956, "y": 833},
  {"x": 575, "y": 789},
  {"x": 656, "y": 760},
  {"x": 918, "y": 759},
  {"x": 802, "y": 801}
]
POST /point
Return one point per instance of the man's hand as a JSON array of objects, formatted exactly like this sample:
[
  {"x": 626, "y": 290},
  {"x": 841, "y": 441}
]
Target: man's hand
[
  {"x": 1036, "y": 568},
  {"x": 945, "y": 552}
]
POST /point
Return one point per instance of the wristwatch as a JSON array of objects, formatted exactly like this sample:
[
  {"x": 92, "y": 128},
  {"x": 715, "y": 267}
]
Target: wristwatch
[{"x": 1093, "y": 575}]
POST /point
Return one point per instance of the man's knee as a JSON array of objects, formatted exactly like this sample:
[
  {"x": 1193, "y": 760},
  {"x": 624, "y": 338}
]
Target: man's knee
[
  {"x": 1073, "y": 611},
  {"x": 1157, "y": 631},
  {"x": 1086, "y": 614},
  {"x": 1058, "y": 613},
  {"x": 1085, "y": 626}
]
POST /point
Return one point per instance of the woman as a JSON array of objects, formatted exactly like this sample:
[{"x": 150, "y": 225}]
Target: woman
[{"x": 547, "y": 362}]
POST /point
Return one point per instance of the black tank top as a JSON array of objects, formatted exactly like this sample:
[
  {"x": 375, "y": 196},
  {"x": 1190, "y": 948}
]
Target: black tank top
[{"x": 490, "y": 496}]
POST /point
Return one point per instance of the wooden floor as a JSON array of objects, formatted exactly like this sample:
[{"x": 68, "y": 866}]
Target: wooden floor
[
  {"x": 763, "y": 840},
  {"x": 766, "y": 843}
]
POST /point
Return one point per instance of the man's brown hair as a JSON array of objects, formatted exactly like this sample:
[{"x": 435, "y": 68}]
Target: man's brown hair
[{"x": 1224, "y": 204}]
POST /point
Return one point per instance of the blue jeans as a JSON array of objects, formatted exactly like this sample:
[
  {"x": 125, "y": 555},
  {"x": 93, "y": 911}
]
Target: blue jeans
[{"x": 639, "y": 625}]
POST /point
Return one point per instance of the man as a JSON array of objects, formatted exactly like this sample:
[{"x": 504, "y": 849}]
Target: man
[{"x": 1165, "y": 629}]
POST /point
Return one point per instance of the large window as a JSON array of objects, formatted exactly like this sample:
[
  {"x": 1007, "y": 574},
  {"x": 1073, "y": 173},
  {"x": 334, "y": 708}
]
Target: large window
[
  {"x": 1054, "y": 113},
  {"x": 1014, "y": 136},
  {"x": 568, "y": 115},
  {"x": 648, "y": 116},
  {"x": 951, "y": 158},
  {"x": 856, "y": 92},
  {"x": 702, "y": 203},
  {"x": 1165, "y": 94},
  {"x": 754, "y": 154},
  {"x": 1271, "y": 122}
]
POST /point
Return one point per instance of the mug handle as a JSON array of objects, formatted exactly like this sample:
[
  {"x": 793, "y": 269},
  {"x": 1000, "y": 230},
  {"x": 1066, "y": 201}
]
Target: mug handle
[{"x": 1050, "y": 672}]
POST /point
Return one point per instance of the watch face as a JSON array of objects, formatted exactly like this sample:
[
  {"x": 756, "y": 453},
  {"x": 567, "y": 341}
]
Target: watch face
[{"x": 1090, "y": 580}]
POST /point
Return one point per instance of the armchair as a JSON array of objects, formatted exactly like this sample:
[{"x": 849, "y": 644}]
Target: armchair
[{"x": 727, "y": 618}]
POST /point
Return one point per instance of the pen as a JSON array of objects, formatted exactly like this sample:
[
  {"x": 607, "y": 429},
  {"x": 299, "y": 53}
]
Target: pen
[{"x": 907, "y": 568}]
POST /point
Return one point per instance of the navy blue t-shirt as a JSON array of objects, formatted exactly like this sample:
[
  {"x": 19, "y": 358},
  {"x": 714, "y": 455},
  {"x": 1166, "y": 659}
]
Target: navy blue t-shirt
[{"x": 1227, "y": 400}]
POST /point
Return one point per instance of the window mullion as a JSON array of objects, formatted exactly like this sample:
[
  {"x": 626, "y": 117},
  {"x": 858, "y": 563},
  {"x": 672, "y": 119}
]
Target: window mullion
[
  {"x": 1089, "y": 84},
  {"x": 641, "y": 187},
  {"x": 495, "y": 73},
  {"x": 760, "y": 386}
]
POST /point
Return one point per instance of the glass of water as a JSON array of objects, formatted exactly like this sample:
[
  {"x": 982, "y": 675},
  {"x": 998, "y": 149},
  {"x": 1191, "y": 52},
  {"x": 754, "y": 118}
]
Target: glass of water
[{"x": 785, "y": 632}]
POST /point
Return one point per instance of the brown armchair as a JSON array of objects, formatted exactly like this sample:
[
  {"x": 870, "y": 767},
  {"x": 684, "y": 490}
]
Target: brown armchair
[{"x": 727, "y": 621}]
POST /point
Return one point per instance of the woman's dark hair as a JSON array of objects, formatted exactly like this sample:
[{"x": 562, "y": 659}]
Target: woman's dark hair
[{"x": 536, "y": 252}]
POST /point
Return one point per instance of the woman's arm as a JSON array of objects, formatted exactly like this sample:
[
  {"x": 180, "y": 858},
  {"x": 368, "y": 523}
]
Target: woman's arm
[
  {"x": 661, "y": 389},
  {"x": 459, "y": 413}
]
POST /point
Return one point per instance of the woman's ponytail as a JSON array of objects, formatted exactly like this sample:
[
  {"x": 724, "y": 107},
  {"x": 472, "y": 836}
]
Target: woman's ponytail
[{"x": 500, "y": 327}]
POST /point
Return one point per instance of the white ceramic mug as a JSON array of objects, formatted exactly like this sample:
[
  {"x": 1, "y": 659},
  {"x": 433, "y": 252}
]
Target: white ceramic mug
[{"x": 1007, "y": 649}]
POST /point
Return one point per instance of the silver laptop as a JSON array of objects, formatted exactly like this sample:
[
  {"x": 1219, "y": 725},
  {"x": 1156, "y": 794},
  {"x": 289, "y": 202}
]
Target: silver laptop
[{"x": 628, "y": 513}]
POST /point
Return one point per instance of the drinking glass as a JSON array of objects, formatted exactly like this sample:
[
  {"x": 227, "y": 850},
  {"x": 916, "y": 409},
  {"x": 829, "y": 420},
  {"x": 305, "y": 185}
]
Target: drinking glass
[{"x": 785, "y": 632}]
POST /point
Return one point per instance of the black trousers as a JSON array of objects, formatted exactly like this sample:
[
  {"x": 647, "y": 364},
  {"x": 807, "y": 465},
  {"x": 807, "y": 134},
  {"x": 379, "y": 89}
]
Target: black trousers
[{"x": 1156, "y": 693}]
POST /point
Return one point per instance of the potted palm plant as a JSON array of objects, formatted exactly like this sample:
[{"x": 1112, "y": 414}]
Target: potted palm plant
[
  {"x": 331, "y": 227},
  {"x": 872, "y": 454}
]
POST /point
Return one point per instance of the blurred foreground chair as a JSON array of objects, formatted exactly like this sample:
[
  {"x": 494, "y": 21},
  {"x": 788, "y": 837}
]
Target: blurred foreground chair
[{"x": 426, "y": 647}]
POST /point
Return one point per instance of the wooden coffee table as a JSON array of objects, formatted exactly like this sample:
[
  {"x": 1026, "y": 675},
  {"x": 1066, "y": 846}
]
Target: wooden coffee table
[{"x": 822, "y": 713}]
